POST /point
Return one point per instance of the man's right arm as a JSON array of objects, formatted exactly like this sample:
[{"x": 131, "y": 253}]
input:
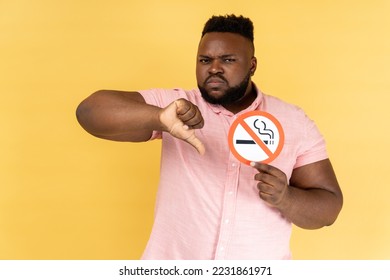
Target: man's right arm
[
  {"x": 125, "y": 116},
  {"x": 119, "y": 116}
]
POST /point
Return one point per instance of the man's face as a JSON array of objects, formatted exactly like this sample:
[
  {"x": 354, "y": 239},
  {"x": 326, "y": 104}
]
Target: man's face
[{"x": 225, "y": 63}]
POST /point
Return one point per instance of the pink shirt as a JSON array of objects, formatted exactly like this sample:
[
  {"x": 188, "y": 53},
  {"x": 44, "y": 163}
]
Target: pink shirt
[{"x": 208, "y": 206}]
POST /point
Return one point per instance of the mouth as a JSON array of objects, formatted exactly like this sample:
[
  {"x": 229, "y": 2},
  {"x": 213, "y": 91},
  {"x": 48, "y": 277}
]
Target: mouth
[{"x": 215, "y": 82}]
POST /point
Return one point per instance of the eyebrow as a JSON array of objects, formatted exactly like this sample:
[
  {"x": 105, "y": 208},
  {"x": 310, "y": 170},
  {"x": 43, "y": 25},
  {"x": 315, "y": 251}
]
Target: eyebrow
[{"x": 220, "y": 56}]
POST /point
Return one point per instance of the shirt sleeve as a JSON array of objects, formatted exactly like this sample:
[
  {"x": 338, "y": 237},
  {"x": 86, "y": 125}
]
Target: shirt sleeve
[{"x": 313, "y": 145}]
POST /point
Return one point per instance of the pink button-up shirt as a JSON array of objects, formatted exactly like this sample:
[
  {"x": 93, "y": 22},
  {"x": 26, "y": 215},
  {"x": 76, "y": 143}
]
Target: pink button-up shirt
[{"x": 208, "y": 206}]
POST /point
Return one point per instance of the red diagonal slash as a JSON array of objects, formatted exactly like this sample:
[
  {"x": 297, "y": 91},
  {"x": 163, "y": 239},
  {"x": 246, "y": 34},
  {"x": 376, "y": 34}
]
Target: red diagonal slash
[{"x": 256, "y": 138}]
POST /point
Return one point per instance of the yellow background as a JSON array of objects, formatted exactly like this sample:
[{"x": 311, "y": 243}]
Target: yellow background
[{"x": 67, "y": 195}]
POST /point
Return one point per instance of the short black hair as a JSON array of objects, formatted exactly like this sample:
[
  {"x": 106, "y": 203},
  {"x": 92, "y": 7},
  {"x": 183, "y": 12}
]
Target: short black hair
[{"x": 230, "y": 23}]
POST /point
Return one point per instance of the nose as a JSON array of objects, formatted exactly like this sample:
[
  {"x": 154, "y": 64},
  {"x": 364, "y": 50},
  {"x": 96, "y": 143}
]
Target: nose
[{"x": 215, "y": 67}]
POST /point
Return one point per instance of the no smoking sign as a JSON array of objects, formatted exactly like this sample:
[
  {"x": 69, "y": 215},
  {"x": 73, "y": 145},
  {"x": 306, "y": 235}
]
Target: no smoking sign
[{"x": 256, "y": 136}]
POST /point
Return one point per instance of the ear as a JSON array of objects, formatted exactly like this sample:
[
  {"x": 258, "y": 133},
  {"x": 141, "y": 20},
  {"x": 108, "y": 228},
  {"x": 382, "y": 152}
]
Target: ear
[{"x": 253, "y": 65}]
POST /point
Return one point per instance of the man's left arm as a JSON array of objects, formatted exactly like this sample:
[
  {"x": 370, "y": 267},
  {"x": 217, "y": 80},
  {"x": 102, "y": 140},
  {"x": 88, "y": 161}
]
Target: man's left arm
[{"x": 312, "y": 199}]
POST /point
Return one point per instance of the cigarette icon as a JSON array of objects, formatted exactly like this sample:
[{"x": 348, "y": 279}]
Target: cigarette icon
[{"x": 245, "y": 142}]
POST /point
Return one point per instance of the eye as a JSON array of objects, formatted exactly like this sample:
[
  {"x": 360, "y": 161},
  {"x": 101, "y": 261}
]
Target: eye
[
  {"x": 204, "y": 60},
  {"x": 229, "y": 60}
]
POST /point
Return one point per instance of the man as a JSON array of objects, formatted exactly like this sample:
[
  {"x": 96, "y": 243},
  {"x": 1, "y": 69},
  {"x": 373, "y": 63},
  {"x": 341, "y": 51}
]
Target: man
[{"x": 209, "y": 205}]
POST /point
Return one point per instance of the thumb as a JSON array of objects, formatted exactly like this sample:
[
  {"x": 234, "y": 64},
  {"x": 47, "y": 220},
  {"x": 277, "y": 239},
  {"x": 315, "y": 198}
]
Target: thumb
[
  {"x": 196, "y": 143},
  {"x": 254, "y": 164},
  {"x": 188, "y": 135}
]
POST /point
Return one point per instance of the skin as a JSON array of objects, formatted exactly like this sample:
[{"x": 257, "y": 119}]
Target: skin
[
  {"x": 224, "y": 60},
  {"x": 310, "y": 199}
]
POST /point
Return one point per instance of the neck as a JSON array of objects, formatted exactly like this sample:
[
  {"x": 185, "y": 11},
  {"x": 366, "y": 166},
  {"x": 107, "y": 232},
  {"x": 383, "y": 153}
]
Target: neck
[{"x": 244, "y": 102}]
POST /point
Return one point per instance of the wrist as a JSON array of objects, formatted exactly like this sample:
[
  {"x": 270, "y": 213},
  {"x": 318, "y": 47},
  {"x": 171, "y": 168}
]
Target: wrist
[
  {"x": 167, "y": 117},
  {"x": 284, "y": 204}
]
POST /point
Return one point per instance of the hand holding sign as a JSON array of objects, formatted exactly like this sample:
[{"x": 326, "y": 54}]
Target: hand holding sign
[
  {"x": 180, "y": 118},
  {"x": 272, "y": 185}
]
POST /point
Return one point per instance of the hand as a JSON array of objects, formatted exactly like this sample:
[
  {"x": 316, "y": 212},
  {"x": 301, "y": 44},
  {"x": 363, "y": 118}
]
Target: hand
[
  {"x": 272, "y": 186},
  {"x": 180, "y": 118}
]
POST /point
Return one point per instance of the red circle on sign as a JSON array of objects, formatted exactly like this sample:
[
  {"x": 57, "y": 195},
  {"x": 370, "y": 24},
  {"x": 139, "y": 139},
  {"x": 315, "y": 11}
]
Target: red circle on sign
[{"x": 241, "y": 121}]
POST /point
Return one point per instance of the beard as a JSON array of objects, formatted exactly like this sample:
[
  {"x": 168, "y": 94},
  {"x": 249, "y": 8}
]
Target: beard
[{"x": 232, "y": 94}]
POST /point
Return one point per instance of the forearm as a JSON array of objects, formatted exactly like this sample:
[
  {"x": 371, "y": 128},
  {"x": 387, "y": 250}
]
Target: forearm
[
  {"x": 118, "y": 115},
  {"x": 310, "y": 208}
]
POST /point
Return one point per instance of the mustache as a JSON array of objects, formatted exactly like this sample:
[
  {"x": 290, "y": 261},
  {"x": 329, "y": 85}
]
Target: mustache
[{"x": 219, "y": 76}]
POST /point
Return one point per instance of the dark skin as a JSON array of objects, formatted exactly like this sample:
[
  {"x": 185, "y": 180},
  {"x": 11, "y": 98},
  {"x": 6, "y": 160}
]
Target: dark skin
[
  {"x": 310, "y": 199},
  {"x": 230, "y": 56}
]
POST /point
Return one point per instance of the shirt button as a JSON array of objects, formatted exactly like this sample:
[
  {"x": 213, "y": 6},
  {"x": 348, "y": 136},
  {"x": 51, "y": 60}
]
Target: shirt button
[
  {"x": 226, "y": 221},
  {"x": 222, "y": 248},
  {"x": 234, "y": 164},
  {"x": 230, "y": 193}
]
